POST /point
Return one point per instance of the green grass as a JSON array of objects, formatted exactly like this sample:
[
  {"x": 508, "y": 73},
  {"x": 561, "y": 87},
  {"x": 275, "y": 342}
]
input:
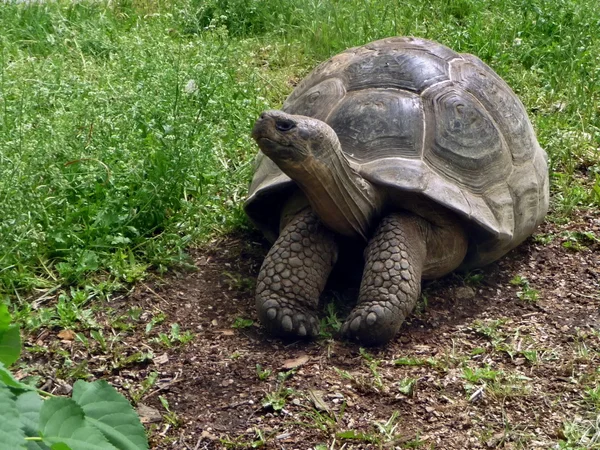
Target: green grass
[{"x": 124, "y": 125}]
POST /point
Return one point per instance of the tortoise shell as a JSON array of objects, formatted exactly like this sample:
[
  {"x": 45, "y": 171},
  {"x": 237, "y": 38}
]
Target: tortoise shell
[{"x": 413, "y": 116}]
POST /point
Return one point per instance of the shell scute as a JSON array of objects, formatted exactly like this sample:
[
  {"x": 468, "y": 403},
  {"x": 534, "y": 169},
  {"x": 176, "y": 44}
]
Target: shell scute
[
  {"x": 373, "y": 124},
  {"x": 500, "y": 101},
  {"x": 464, "y": 143},
  {"x": 412, "y": 70}
]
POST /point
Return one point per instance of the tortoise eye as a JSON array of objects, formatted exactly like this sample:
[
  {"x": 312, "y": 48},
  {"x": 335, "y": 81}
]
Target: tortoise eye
[{"x": 284, "y": 125}]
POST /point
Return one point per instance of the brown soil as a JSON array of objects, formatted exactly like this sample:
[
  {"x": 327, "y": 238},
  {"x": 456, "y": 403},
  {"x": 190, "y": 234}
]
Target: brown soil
[{"x": 539, "y": 356}]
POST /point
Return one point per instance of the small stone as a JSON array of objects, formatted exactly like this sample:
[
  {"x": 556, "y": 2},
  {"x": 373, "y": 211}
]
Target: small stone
[
  {"x": 148, "y": 414},
  {"x": 464, "y": 293}
]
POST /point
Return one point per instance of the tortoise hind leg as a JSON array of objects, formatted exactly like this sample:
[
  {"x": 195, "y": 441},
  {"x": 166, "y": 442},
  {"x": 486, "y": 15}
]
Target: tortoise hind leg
[
  {"x": 293, "y": 276},
  {"x": 391, "y": 281}
]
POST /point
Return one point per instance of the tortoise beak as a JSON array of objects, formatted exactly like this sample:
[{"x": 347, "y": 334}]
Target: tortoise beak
[{"x": 261, "y": 126}]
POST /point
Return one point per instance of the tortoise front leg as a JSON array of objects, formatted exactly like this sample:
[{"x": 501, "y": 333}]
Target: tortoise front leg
[
  {"x": 391, "y": 281},
  {"x": 293, "y": 276}
]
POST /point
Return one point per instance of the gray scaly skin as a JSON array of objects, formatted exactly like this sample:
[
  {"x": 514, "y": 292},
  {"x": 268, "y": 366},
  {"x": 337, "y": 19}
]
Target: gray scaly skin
[
  {"x": 392, "y": 279},
  {"x": 404, "y": 247},
  {"x": 293, "y": 276}
]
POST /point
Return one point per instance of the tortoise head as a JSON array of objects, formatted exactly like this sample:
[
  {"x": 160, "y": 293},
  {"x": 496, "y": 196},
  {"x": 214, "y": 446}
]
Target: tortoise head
[
  {"x": 291, "y": 140},
  {"x": 310, "y": 153}
]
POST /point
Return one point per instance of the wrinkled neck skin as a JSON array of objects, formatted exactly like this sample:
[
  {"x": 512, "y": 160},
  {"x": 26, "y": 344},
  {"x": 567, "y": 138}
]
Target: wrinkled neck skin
[{"x": 344, "y": 201}]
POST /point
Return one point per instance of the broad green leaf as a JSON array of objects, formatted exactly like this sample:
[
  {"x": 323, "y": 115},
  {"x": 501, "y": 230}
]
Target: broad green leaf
[
  {"x": 111, "y": 413},
  {"x": 10, "y": 345},
  {"x": 39, "y": 445},
  {"x": 63, "y": 421},
  {"x": 6, "y": 378},
  {"x": 4, "y": 317},
  {"x": 29, "y": 405},
  {"x": 12, "y": 436}
]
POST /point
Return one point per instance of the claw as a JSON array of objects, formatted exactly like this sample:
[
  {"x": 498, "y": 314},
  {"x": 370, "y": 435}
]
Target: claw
[
  {"x": 371, "y": 318},
  {"x": 286, "y": 323},
  {"x": 302, "y": 330},
  {"x": 355, "y": 324}
]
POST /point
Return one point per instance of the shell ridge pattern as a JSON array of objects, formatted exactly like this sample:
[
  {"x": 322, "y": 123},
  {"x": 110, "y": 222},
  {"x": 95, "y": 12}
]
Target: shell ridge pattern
[
  {"x": 376, "y": 123},
  {"x": 437, "y": 86},
  {"x": 467, "y": 146},
  {"x": 499, "y": 99},
  {"x": 408, "y": 69}
]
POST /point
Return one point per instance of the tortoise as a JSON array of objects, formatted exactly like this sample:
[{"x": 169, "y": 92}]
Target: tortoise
[{"x": 423, "y": 154}]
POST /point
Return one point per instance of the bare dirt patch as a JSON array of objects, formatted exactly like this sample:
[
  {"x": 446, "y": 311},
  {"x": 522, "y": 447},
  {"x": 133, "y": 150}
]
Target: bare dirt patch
[{"x": 489, "y": 360}]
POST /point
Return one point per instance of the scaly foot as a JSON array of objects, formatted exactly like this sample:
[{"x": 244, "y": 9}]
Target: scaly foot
[
  {"x": 293, "y": 276},
  {"x": 391, "y": 280}
]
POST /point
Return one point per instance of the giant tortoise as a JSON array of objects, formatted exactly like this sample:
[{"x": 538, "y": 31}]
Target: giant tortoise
[{"x": 424, "y": 154}]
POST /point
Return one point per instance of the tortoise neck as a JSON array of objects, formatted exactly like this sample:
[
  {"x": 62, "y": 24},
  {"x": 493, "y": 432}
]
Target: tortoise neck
[{"x": 344, "y": 201}]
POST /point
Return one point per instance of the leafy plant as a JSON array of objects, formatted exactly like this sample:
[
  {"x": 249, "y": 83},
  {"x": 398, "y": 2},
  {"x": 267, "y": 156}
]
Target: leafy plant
[
  {"x": 578, "y": 240},
  {"x": 175, "y": 336},
  {"x": 95, "y": 417},
  {"x": 407, "y": 386},
  {"x": 170, "y": 417},
  {"x": 241, "y": 322},
  {"x": 526, "y": 293},
  {"x": 373, "y": 365},
  {"x": 388, "y": 428},
  {"x": 277, "y": 399},
  {"x": 331, "y": 323},
  {"x": 262, "y": 374}
]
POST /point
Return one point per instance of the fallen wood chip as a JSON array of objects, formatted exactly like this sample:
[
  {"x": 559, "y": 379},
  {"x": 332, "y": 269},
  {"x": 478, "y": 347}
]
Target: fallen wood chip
[
  {"x": 477, "y": 394},
  {"x": 316, "y": 397},
  {"x": 294, "y": 363}
]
